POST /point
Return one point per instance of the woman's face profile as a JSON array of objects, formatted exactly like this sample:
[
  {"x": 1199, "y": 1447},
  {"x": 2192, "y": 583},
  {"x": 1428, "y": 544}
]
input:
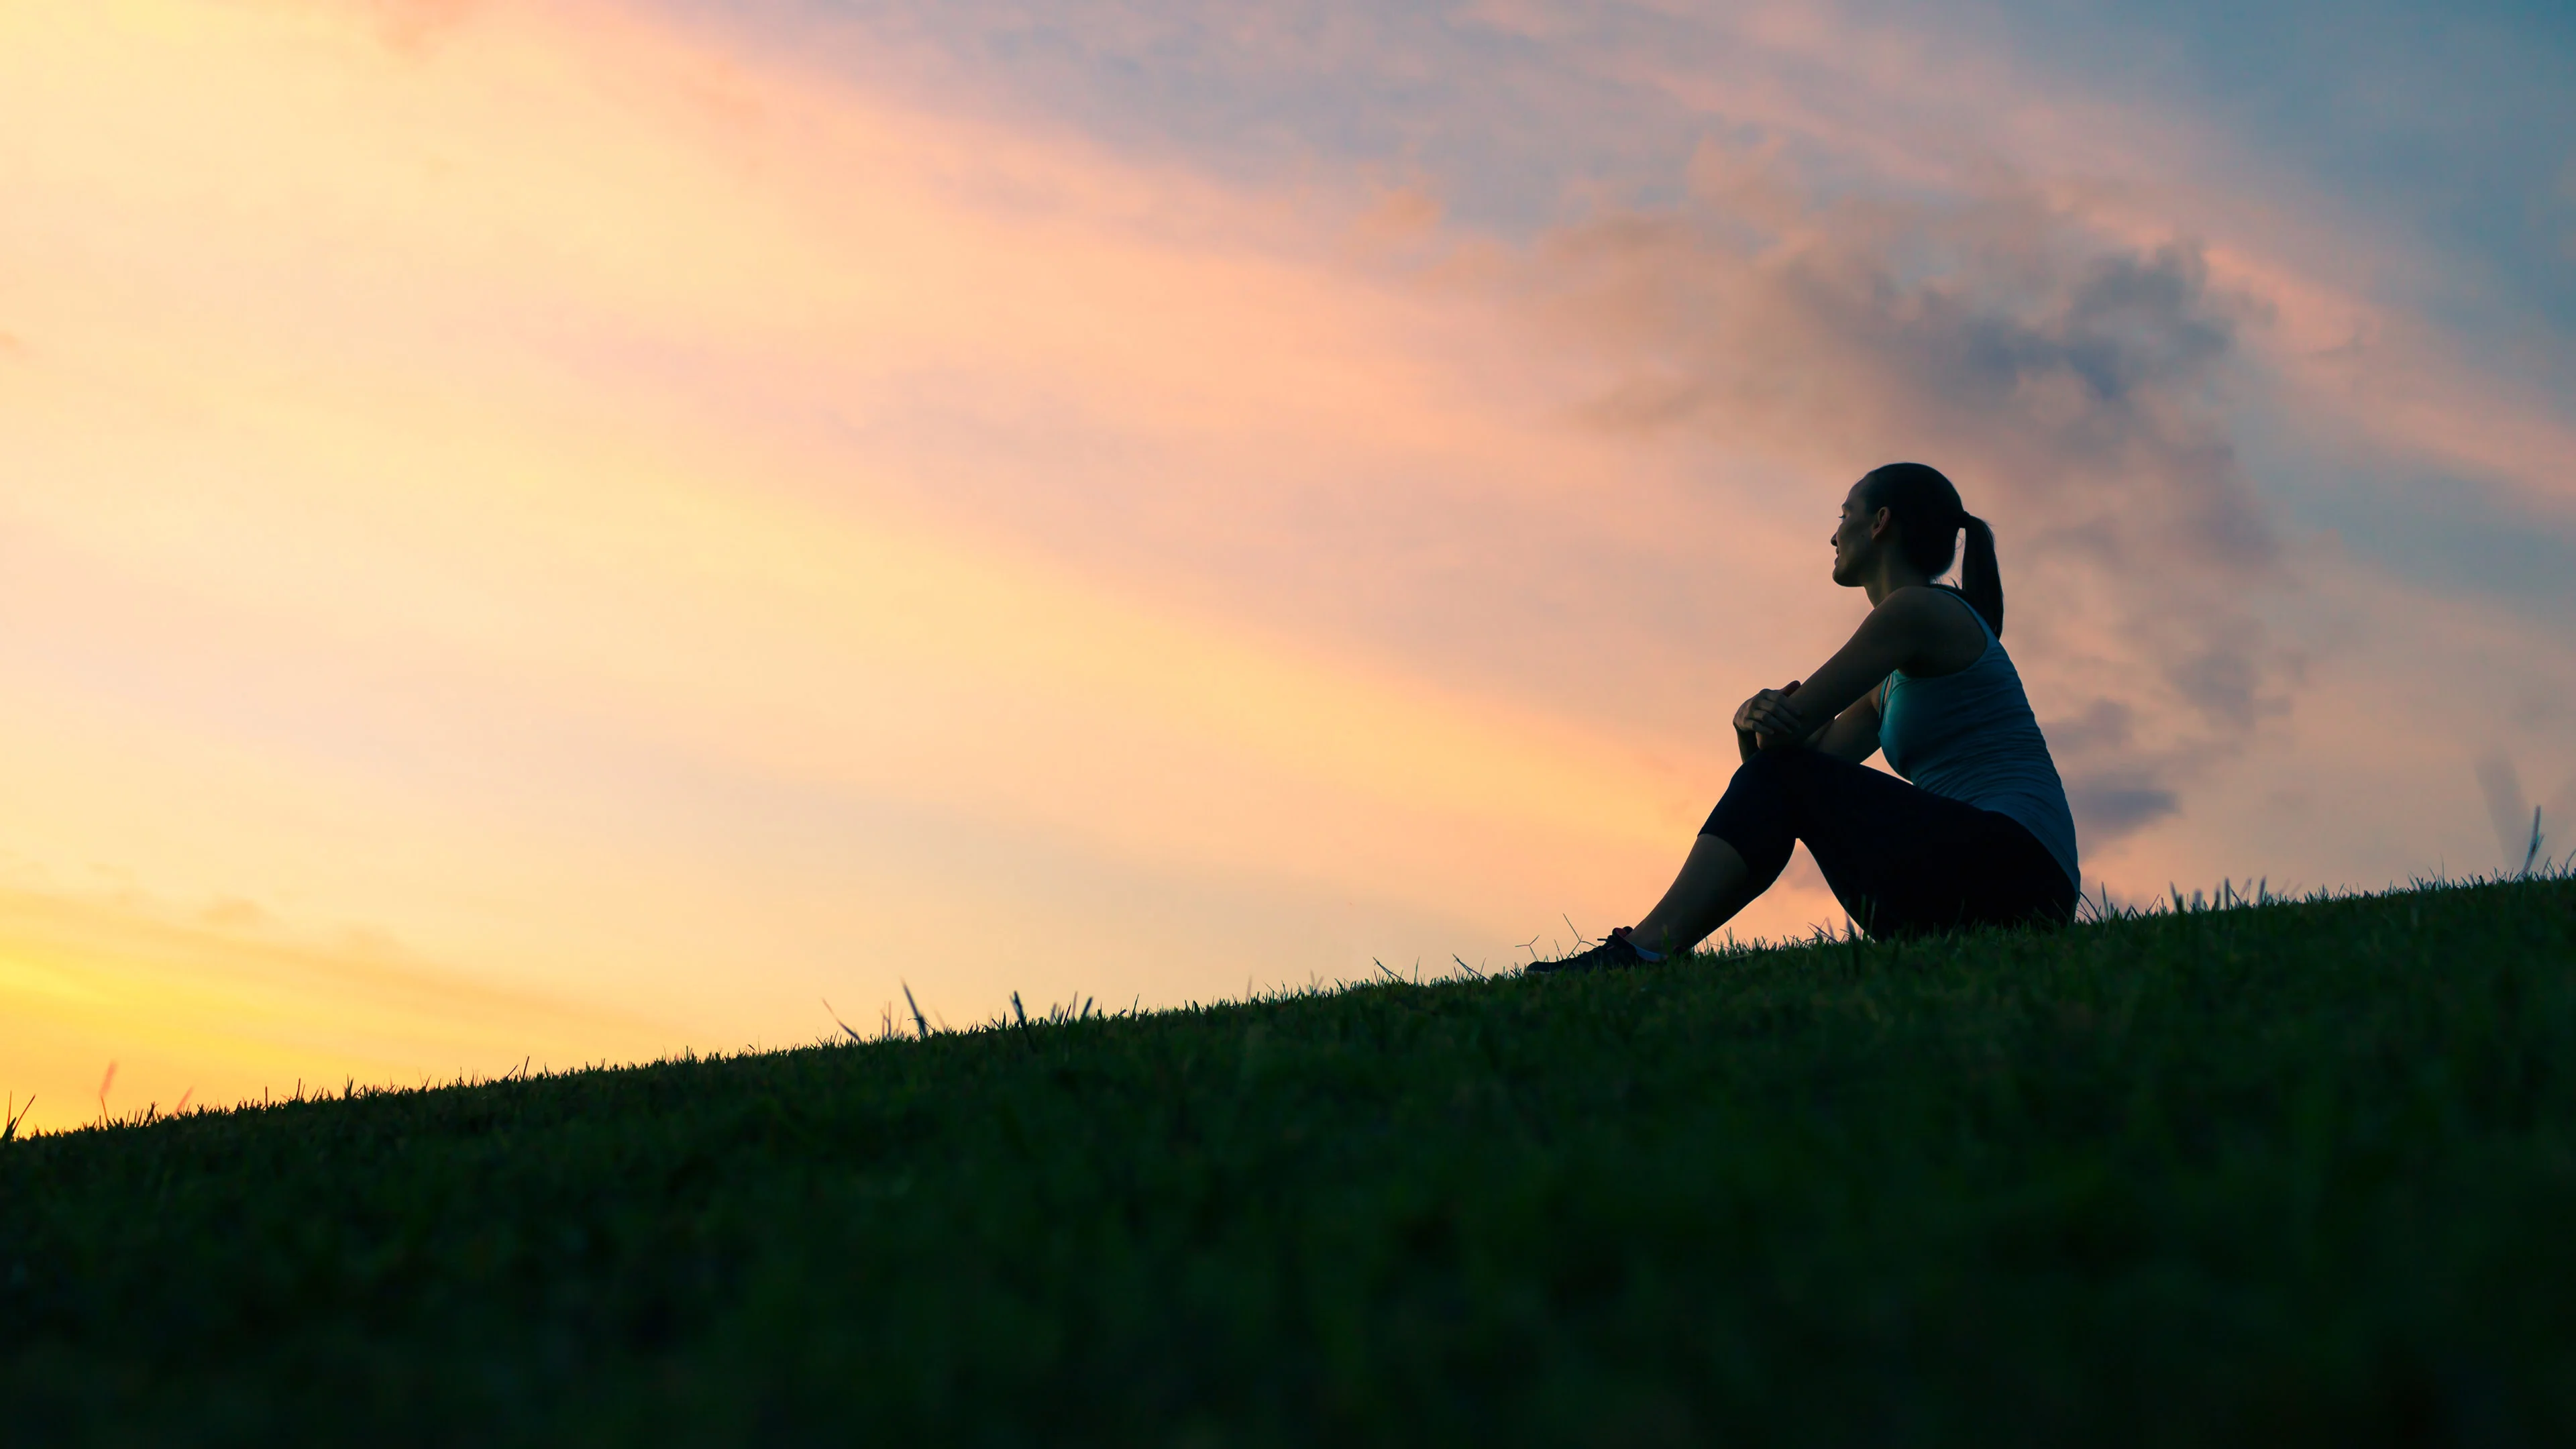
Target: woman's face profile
[{"x": 1851, "y": 537}]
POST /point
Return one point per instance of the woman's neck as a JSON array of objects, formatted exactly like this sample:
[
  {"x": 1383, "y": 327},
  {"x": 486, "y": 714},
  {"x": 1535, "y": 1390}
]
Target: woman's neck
[{"x": 1888, "y": 573}]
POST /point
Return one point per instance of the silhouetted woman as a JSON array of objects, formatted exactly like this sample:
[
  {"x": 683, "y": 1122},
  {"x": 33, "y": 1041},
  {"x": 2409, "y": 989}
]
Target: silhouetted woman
[{"x": 1981, "y": 835}]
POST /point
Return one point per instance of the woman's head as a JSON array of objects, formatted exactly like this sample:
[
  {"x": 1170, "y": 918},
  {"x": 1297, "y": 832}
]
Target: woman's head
[{"x": 1912, "y": 509}]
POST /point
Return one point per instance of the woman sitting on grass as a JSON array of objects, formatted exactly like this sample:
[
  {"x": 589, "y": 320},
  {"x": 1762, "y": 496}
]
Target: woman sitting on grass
[{"x": 1981, "y": 836}]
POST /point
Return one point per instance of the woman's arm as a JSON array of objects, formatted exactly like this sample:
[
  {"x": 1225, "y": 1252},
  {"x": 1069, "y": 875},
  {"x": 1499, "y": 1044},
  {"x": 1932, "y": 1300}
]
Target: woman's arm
[
  {"x": 1853, "y": 735},
  {"x": 1755, "y": 716},
  {"x": 1898, "y": 633}
]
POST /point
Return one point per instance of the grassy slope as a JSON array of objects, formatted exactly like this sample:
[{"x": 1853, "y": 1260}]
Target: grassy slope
[{"x": 2302, "y": 1172}]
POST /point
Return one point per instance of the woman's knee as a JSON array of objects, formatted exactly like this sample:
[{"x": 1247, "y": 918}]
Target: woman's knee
[
  {"x": 1790, "y": 762},
  {"x": 1770, "y": 767},
  {"x": 1757, "y": 813},
  {"x": 1784, "y": 774}
]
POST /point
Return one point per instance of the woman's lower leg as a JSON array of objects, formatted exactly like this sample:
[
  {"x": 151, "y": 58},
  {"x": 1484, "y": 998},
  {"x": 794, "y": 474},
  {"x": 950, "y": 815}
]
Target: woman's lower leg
[{"x": 1707, "y": 893}]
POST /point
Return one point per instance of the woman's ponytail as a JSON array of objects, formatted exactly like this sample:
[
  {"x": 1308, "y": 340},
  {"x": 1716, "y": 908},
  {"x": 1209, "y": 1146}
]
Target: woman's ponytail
[
  {"x": 1978, "y": 582},
  {"x": 1929, "y": 519}
]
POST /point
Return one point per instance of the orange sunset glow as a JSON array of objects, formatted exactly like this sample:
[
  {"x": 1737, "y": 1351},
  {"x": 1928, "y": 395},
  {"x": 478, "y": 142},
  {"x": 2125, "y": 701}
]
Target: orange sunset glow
[{"x": 556, "y": 533}]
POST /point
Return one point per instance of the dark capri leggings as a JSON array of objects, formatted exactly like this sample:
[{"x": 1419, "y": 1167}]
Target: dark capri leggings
[{"x": 1901, "y": 859}]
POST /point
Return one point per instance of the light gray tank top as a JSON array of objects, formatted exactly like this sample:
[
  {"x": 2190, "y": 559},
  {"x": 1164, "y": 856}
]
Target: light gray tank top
[{"x": 1971, "y": 736}]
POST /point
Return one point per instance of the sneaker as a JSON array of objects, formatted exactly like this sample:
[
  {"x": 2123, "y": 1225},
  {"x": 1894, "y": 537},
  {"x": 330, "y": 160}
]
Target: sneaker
[{"x": 1613, "y": 954}]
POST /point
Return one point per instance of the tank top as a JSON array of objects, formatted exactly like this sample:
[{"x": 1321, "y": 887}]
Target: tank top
[{"x": 1970, "y": 736}]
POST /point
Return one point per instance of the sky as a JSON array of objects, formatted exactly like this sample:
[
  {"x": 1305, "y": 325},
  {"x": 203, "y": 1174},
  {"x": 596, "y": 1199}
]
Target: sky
[{"x": 578, "y": 531}]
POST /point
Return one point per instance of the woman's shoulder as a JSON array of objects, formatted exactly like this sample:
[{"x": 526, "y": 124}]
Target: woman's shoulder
[{"x": 1937, "y": 636}]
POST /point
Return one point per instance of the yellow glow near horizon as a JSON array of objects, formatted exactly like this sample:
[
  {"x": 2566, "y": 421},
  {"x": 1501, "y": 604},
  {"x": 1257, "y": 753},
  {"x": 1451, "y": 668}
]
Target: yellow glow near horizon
[{"x": 216, "y": 1006}]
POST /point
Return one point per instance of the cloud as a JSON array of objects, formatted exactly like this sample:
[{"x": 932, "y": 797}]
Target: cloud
[
  {"x": 2075, "y": 386},
  {"x": 2106, "y": 809},
  {"x": 2112, "y": 794}
]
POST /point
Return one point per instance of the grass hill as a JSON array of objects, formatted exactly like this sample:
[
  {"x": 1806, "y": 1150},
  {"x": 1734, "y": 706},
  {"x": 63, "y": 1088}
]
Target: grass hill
[{"x": 2296, "y": 1172}]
